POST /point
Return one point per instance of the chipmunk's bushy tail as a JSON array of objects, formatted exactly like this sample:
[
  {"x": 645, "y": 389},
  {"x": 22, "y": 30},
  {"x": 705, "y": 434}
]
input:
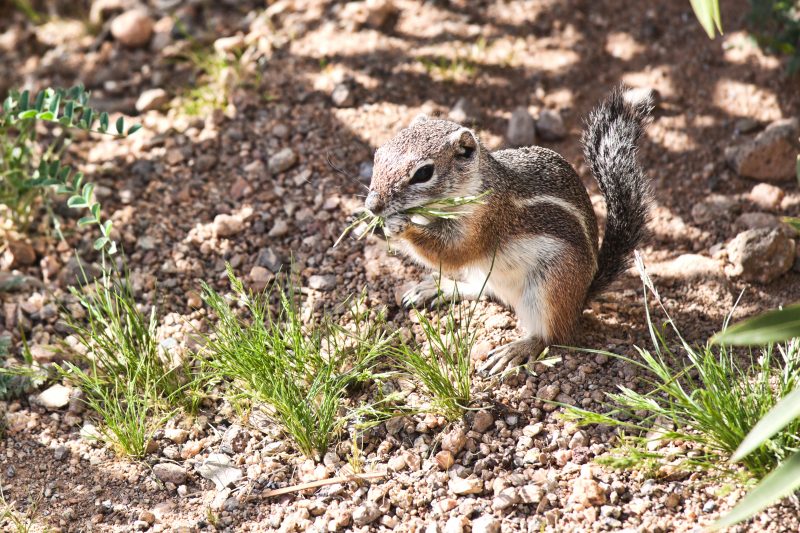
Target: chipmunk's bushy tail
[{"x": 610, "y": 143}]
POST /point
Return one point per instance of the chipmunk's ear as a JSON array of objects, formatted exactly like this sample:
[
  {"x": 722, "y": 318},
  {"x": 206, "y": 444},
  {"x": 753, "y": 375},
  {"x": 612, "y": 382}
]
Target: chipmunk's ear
[
  {"x": 464, "y": 141},
  {"x": 419, "y": 119}
]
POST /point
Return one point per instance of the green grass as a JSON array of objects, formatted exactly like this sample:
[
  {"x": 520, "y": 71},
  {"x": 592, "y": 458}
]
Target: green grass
[
  {"x": 445, "y": 208},
  {"x": 127, "y": 379},
  {"x": 300, "y": 374},
  {"x": 442, "y": 363},
  {"x": 708, "y": 395},
  {"x": 13, "y": 520}
]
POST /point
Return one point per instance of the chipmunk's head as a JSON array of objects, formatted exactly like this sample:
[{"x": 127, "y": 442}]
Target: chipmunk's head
[{"x": 431, "y": 159}]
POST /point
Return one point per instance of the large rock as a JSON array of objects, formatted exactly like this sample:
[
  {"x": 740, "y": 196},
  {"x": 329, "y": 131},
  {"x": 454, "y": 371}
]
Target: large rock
[
  {"x": 132, "y": 28},
  {"x": 521, "y": 128},
  {"x": 769, "y": 156},
  {"x": 760, "y": 255}
]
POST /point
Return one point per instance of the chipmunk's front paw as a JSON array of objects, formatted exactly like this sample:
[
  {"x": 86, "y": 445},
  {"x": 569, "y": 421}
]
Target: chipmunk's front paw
[
  {"x": 396, "y": 224},
  {"x": 510, "y": 355},
  {"x": 421, "y": 294}
]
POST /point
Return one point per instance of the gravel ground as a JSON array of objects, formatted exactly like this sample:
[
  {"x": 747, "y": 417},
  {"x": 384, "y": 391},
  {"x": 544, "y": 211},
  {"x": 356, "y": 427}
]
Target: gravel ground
[{"x": 274, "y": 173}]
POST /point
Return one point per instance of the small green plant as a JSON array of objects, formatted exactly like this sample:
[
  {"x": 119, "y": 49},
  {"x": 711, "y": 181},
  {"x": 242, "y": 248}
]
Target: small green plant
[
  {"x": 774, "y": 326},
  {"x": 446, "y": 208},
  {"x": 714, "y": 400},
  {"x": 217, "y": 74},
  {"x": 28, "y": 169},
  {"x": 777, "y": 28},
  {"x": 449, "y": 69},
  {"x": 442, "y": 364},
  {"x": 126, "y": 378},
  {"x": 13, "y": 520},
  {"x": 300, "y": 374}
]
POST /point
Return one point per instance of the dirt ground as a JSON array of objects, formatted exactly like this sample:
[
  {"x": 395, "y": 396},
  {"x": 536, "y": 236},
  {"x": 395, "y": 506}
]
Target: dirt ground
[{"x": 165, "y": 186}]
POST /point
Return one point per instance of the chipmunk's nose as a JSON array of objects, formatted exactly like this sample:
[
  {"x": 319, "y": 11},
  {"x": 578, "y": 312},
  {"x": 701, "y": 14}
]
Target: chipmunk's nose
[{"x": 374, "y": 203}]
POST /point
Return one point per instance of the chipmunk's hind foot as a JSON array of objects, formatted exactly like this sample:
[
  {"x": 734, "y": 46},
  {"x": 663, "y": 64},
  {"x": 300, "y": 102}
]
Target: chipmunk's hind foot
[{"x": 508, "y": 356}]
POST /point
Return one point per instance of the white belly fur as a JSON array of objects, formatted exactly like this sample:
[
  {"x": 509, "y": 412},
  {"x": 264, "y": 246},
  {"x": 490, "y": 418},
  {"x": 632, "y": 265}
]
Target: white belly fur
[{"x": 512, "y": 283}]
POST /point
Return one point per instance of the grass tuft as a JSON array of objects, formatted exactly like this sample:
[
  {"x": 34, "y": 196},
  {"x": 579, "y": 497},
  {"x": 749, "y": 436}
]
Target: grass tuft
[
  {"x": 709, "y": 395},
  {"x": 300, "y": 374},
  {"x": 125, "y": 377},
  {"x": 442, "y": 364}
]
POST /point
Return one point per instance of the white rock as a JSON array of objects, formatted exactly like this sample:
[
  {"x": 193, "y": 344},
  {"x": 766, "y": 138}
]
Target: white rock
[
  {"x": 219, "y": 469},
  {"x": 486, "y": 524},
  {"x": 463, "y": 486},
  {"x": 55, "y": 397},
  {"x": 223, "y": 45},
  {"x": 366, "y": 514},
  {"x": 227, "y": 225},
  {"x": 766, "y": 196},
  {"x": 152, "y": 100}
]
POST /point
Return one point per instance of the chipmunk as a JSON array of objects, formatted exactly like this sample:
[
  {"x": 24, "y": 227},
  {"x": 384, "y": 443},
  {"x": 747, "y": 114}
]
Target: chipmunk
[{"x": 535, "y": 236}]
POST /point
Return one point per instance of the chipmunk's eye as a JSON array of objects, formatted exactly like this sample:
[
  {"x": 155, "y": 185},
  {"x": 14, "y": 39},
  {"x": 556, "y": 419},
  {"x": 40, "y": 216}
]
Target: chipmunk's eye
[{"x": 423, "y": 174}]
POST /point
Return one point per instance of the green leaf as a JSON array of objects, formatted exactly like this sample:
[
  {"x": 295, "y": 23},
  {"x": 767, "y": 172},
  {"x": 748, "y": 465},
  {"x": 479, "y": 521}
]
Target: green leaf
[
  {"x": 708, "y": 14},
  {"x": 783, "y": 413},
  {"x": 112, "y": 248},
  {"x": 100, "y": 243},
  {"x": 85, "y": 221},
  {"x": 76, "y": 202},
  {"x": 77, "y": 180},
  {"x": 87, "y": 192},
  {"x": 30, "y": 113},
  {"x": 53, "y": 167},
  {"x": 780, "y": 483},
  {"x": 69, "y": 110},
  {"x": 136, "y": 127},
  {"x": 772, "y": 326},
  {"x": 120, "y": 125},
  {"x": 45, "y": 115},
  {"x": 103, "y": 122},
  {"x": 23, "y": 100},
  {"x": 96, "y": 210},
  {"x": 106, "y": 229},
  {"x": 87, "y": 118},
  {"x": 54, "y": 104},
  {"x": 39, "y": 103}
]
